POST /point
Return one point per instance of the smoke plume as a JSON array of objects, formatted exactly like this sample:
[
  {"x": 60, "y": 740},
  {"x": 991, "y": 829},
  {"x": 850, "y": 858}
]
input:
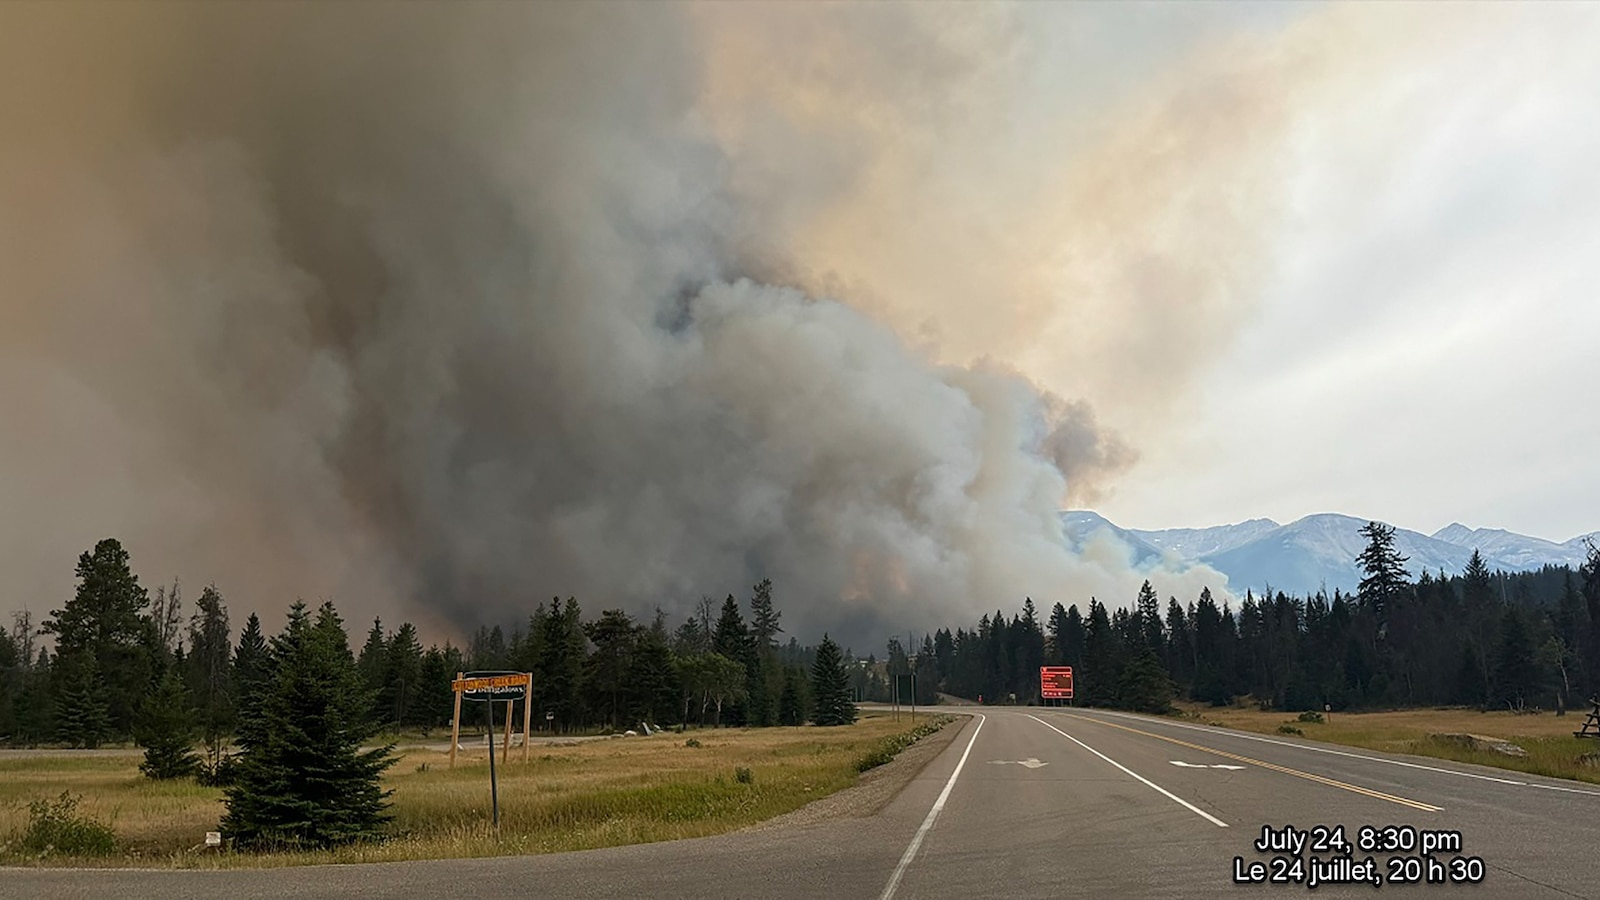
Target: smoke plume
[{"x": 442, "y": 311}]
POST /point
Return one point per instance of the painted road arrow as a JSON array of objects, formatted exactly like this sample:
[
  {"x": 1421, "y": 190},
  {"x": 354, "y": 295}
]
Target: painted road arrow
[
  {"x": 1030, "y": 762},
  {"x": 1199, "y": 766}
]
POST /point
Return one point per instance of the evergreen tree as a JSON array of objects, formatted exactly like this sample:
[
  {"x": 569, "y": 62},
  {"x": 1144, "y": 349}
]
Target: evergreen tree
[
  {"x": 436, "y": 699},
  {"x": 81, "y": 716},
  {"x": 373, "y": 665},
  {"x": 1589, "y": 574},
  {"x": 764, "y": 627},
  {"x": 1383, "y": 568},
  {"x": 104, "y": 623},
  {"x": 210, "y": 674},
  {"x": 651, "y": 676},
  {"x": 402, "y": 677},
  {"x": 1145, "y": 686},
  {"x": 35, "y": 708},
  {"x": 1516, "y": 675},
  {"x": 1101, "y": 668},
  {"x": 830, "y": 686},
  {"x": 165, "y": 729},
  {"x": 1149, "y": 611},
  {"x": 613, "y": 636},
  {"x": 562, "y": 667},
  {"x": 303, "y": 778},
  {"x": 731, "y": 639},
  {"x": 792, "y": 700}
]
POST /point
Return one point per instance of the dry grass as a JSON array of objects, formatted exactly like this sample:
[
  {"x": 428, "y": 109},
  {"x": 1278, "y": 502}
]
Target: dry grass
[
  {"x": 587, "y": 795},
  {"x": 1552, "y": 750}
]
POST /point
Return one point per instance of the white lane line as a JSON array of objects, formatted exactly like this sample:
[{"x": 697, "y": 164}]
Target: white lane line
[
  {"x": 927, "y": 824},
  {"x": 1148, "y": 783},
  {"x": 1393, "y": 762}
]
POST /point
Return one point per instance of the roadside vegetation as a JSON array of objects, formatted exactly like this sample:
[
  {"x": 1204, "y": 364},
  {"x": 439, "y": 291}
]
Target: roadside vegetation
[
  {"x": 577, "y": 796},
  {"x": 1441, "y": 733}
]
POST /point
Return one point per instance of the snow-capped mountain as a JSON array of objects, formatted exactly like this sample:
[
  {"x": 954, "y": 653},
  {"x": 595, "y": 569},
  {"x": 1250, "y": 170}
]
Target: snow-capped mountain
[
  {"x": 1511, "y": 550},
  {"x": 1319, "y": 552}
]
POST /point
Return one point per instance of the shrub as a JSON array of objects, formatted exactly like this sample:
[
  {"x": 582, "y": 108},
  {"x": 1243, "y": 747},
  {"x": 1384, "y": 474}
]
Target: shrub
[
  {"x": 57, "y": 828},
  {"x": 1286, "y": 728},
  {"x": 743, "y": 775},
  {"x": 1311, "y": 716},
  {"x": 890, "y": 746},
  {"x": 692, "y": 742}
]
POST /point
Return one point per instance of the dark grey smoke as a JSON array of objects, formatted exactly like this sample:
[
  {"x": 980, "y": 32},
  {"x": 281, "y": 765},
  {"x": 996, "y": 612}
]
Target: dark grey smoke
[{"x": 443, "y": 311}]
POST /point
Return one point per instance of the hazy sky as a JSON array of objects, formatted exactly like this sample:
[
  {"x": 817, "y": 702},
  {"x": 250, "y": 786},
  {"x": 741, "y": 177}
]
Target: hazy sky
[
  {"x": 1424, "y": 346},
  {"x": 440, "y": 310}
]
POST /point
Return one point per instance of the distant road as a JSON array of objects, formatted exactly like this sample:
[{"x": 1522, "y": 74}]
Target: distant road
[{"x": 1026, "y": 802}]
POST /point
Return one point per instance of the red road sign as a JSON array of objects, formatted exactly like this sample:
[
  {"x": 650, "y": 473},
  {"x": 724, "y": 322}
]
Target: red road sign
[{"x": 1055, "y": 682}]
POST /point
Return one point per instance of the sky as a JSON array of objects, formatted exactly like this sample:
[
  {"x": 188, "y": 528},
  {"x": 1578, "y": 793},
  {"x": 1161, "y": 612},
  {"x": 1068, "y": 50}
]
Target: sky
[
  {"x": 1422, "y": 346},
  {"x": 443, "y": 311}
]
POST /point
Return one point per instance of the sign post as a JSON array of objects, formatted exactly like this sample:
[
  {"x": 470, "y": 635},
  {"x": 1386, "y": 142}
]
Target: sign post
[
  {"x": 1055, "y": 682},
  {"x": 489, "y": 687}
]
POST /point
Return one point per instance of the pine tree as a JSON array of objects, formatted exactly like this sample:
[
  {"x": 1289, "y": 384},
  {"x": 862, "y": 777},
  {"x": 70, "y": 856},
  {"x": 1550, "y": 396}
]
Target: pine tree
[
  {"x": 104, "y": 622},
  {"x": 830, "y": 686},
  {"x": 303, "y": 778},
  {"x": 165, "y": 729}
]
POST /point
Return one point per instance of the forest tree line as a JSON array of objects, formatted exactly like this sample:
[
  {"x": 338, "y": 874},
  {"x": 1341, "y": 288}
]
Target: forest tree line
[
  {"x": 128, "y": 663},
  {"x": 1492, "y": 640}
]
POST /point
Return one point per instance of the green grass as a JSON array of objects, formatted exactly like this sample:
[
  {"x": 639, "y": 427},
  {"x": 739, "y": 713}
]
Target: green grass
[{"x": 590, "y": 795}]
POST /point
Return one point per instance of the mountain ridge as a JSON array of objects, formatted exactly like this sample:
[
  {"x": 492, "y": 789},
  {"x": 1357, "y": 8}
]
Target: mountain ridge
[{"x": 1318, "y": 551}]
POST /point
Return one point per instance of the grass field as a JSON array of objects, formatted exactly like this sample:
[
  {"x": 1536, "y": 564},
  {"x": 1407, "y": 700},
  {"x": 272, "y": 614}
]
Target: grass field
[
  {"x": 592, "y": 794},
  {"x": 1552, "y": 750}
]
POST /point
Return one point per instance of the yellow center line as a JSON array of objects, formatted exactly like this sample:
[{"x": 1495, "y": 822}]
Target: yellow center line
[{"x": 1357, "y": 789}]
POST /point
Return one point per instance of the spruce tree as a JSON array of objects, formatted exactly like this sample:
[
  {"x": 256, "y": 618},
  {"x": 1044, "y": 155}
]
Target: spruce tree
[
  {"x": 402, "y": 686},
  {"x": 303, "y": 779},
  {"x": 792, "y": 700},
  {"x": 82, "y": 719},
  {"x": 165, "y": 729},
  {"x": 830, "y": 686},
  {"x": 1383, "y": 568},
  {"x": 1145, "y": 685}
]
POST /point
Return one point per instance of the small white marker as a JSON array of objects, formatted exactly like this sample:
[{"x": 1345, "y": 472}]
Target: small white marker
[{"x": 1201, "y": 766}]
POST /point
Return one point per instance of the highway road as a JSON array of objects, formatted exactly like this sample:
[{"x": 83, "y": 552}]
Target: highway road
[{"x": 1029, "y": 802}]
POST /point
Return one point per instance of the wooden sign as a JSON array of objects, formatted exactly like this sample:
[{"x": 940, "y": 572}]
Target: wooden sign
[
  {"x": 492, "y": 686},
  {"x": 506, "y": 687}
]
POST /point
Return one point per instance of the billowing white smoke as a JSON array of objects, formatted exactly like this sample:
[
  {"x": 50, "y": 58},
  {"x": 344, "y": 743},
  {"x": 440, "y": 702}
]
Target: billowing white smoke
[{"x": 440, "y": 312}]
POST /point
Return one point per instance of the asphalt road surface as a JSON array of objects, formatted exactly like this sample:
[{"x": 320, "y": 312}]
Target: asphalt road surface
[{"x": 1044, "y": 803}]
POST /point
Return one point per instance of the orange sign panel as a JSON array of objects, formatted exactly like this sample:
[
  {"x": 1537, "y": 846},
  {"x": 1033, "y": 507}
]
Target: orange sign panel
[
  {"x": 508, "y": 683},
  {"x": 1055, "y": 682}
]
